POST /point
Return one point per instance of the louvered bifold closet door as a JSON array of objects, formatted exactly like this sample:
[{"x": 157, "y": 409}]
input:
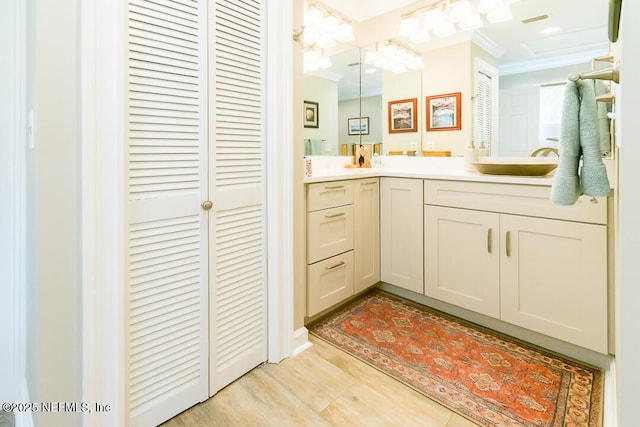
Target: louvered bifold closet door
[
  {"x": 238, "y": 260},
  {"x": 167, "y": 278}
]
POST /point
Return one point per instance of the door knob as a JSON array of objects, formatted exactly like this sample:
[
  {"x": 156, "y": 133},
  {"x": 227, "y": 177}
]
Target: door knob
[{"x": 207, "y": 205}]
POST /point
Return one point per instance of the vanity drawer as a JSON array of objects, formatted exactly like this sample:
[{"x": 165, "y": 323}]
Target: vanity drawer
[
  {"x": 329, "y": 282},
  {"x": 529, "y": 200},
  {"x": 325, "y": 195},
  {"x": 329, "y": 232}
]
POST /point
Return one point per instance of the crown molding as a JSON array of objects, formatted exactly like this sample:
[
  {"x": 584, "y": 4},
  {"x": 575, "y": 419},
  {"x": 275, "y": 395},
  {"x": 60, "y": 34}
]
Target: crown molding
[
  {"x": 487, "y": 44},
  {"x": 542, "y": 64}
]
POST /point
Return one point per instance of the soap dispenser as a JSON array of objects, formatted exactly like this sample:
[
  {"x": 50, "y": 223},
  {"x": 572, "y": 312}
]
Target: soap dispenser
[{"x": 471, "y": 155}]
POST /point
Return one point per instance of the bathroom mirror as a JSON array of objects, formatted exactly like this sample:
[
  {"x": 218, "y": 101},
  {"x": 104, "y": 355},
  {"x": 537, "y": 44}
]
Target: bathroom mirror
[
  {"x": 525, "y": 66},
  {"x": 336, "y": 89}
]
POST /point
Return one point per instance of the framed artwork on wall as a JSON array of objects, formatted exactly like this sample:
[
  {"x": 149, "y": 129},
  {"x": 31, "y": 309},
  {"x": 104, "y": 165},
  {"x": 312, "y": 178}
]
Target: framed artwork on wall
[
  {"x": 402, "y": 115},
  {"x": 443, "y": 112},
  {"x": 358, "y": 126},
  {"x": 311, "y": 114}
]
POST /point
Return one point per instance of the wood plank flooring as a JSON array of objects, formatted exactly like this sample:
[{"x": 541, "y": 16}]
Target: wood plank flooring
[{"x": 323, "y": 386}]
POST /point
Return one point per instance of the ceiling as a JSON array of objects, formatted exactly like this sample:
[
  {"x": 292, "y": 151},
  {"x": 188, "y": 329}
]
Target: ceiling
[{"x": 582, "y": 34}]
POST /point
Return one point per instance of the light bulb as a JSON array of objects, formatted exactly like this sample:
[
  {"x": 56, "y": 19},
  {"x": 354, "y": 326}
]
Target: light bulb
[
  {"x": 324, "y": 62},
  {"x": 313, "y": 16},
  {"x": 471, "y": 22},
  {"x": 433, "y": 18},
  {"x": 420, "y": 36},
  {"x": 460, "y": 10},
  {"x": 409, "y": 26},
  {"x": 486, "y": 6},
  {"x": 444, "y": 30},
  {"x": 325, "y": 42},
  {"x": 330, "y": 25},
  {"x": 310, "y": 36},
  {"x": 345, "y": 33}
]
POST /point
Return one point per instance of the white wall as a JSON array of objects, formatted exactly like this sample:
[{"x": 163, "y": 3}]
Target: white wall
[
  {"x": 628, "y": 278},
  {"x": 54, "y": 363},
  {"x": 449, "y": 70},
  {"x": 8, "y": 341}
]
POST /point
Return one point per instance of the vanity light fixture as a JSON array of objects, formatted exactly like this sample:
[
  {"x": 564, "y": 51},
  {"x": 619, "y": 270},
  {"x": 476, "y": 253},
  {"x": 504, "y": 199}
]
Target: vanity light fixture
[
  {"x": 323, "y": 29},
  {"x": 324, "y": 26},
  {"x": 395, "y": 57},
  {"x": 442, "y": 16},
  {"x": 315, "y": 59}
]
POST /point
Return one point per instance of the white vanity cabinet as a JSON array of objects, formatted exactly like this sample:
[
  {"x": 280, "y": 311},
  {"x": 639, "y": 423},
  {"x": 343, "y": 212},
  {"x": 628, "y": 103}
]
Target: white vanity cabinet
[
  {"x": 330, "y": 229},
  {"x": 401, "y": 225},
  {"x": 343, "y": 240},
  {"x": 506, "y": 251},
  {"x": 366, "y": 208}
]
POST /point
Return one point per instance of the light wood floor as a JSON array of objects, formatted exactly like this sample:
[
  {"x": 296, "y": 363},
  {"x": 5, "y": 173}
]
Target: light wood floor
[{"x": 322, "y": 386}]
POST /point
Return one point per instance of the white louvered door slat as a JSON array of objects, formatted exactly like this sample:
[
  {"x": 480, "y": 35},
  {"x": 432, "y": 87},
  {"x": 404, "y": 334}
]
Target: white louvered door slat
[
  {"x": 238, "y": 261},
  {"x": 167, "y": 292}
]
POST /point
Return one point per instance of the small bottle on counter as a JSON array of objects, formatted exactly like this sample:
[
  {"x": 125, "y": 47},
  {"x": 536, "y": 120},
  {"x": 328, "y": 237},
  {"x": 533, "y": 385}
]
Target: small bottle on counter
[{"x": 308, "y": 167}]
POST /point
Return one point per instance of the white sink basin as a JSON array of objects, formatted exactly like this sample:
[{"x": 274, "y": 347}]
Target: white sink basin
[{"x": 520, "y": 166}]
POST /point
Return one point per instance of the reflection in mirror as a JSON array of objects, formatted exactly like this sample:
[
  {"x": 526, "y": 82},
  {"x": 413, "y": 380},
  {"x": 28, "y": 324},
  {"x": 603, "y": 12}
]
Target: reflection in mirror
[
  {"x": 530, "y": 110},
  {"x": 352, "y": 93},
  {"x": 337, "y": 91}
]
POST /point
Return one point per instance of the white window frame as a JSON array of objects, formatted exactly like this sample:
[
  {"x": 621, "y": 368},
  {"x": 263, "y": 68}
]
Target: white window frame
[{"x": 480, "y": 66}]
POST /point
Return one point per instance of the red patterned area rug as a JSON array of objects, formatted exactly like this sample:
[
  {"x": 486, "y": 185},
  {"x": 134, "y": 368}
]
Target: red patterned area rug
[{"x": 492, "y": 379}]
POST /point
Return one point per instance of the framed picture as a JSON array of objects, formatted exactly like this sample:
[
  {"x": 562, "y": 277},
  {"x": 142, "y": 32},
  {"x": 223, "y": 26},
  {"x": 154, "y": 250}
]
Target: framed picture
[
  {"x": 311, "y": 114},
  {"x": 443, "y": 112},
  {"x": 358, "y": 126},
  {"x": 402, "y": 115}
]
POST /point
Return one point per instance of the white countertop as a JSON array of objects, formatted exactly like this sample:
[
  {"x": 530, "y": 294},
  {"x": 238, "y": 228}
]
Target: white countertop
[
  {"x": 449, "y": 168},
  {"x": 326, "y": 168}
]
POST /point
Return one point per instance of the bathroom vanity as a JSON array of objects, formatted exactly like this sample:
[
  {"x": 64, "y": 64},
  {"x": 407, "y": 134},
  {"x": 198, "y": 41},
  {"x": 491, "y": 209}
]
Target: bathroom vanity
[{"x": 492, "y": 245}]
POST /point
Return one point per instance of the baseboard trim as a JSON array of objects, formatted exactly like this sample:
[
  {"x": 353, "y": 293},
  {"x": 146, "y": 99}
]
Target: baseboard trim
[
  {"x": 301, "y": 341},
  {"x": 24, "y": 418},
  {"x": 610, "y": 412}
]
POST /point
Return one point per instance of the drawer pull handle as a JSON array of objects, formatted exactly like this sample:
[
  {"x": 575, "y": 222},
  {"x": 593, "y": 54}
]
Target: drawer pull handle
[
  {"x": 489, "y": 240},
  {"x": 334, "y": 187},
  {"x": 369, "y": 183},
  {"x": 508, "y": 245},
  {"x": 340, "y": 264},
  {"x": 334, "y": 215}
]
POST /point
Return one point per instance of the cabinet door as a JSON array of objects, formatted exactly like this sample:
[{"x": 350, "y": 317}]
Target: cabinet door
[
  {"x": 462, "y": 258},
  {"x": 329, "y": 282},
  {"x": 401, "y": 232},
  {"x": 554, "y": 278},
  {"x": 366, "y": 208}
]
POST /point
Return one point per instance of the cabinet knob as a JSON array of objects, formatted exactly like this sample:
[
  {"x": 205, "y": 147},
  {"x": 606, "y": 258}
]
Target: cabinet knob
[{"x": 207, "y": 205}]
